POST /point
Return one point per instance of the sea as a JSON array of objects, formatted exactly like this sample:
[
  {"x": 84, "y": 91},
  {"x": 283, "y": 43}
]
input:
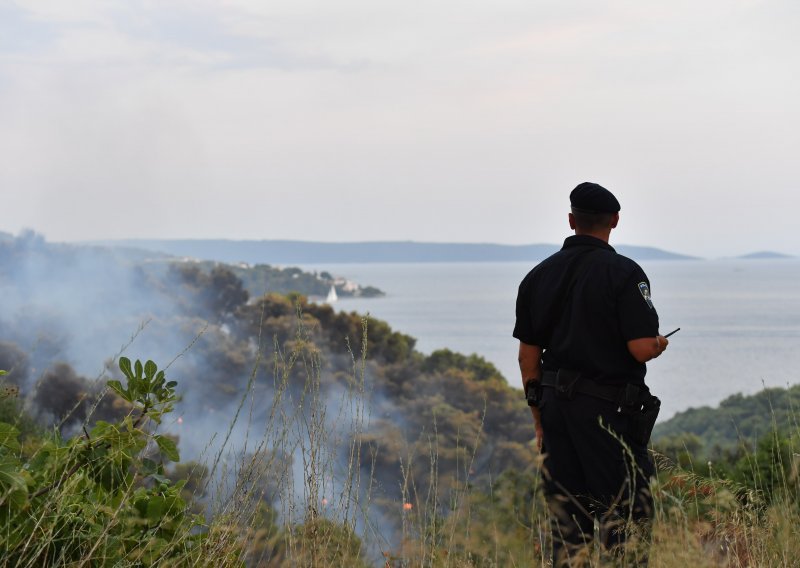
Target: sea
[{"x": 739, "y": 319}]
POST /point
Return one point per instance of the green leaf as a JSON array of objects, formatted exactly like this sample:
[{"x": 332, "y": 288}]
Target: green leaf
[
  {"x": 158, "y": 389},
  {"x": 150, "y": 369},
  {"x": 18, "y": 497},
  {"x": 171, "y": 385},
  {"x": 10, "y": 475},
  {"x": 101, "y": 427},
  {"x": 135, "y": 388},
  {"x": 168, "y": 447},
  {"x": 141, "y": 505},
  {"x": 125, "y": 367},
  {"x": 8, "y": 437},
  {"x": 137, "y": 366},
  {"x": 122, "y": 440},
  {"x": 117, "y": 387},
  {"x": 158, "y": 478},
  {"x": 155, "y": 508},
  {"x": 3, "y": 372},
  {"x": 149, "y": 467},
  {"x": 175, "y": 505}
]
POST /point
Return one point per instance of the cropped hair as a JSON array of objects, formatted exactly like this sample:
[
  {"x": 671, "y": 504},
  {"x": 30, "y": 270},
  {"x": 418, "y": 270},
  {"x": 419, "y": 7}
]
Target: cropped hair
[{"x": 591, "y": 220}]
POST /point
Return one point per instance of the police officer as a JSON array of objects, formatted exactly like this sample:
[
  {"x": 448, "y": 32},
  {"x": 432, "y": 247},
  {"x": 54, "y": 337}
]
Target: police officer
[{"x": 587, "y": 325}]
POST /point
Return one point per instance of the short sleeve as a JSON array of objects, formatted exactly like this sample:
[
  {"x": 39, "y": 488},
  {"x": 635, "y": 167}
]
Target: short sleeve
[
  {"x": 523, "y": 328},
  {"x": 637, "y": 314}
]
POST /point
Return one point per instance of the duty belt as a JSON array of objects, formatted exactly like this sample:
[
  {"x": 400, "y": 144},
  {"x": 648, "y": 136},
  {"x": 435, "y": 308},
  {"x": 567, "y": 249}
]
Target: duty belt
[{"x": 567, "y": 383}]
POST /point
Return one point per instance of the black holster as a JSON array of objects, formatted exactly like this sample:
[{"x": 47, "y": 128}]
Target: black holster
[{"x": 641, "y": 422}]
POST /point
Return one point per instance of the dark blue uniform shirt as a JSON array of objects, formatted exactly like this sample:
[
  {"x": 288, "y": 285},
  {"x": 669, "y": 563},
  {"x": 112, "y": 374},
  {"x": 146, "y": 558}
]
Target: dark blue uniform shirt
[{"x": 608, "y": 305}]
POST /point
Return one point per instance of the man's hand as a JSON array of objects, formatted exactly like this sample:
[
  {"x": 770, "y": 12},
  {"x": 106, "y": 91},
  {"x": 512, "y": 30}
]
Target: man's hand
[
  {"x": 661, "y": 345},
  {"x": 530, "y": 366},
  {"x": 646, "y": 348},
  {"x": 539, "y": 433}
]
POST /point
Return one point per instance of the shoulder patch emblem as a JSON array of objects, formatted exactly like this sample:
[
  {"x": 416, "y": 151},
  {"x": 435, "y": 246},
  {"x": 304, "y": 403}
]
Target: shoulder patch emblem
[{"x": 645, "y": 291}]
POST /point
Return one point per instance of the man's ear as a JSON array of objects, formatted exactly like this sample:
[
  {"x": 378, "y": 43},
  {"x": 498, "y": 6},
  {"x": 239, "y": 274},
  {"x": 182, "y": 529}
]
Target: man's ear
[
  {"x": 615, "y": 221},
  {"x": 572, "y": 221}
]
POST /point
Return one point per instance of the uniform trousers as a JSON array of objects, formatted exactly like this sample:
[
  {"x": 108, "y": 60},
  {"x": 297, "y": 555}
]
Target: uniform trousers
[{"x": 592, "y": 479}]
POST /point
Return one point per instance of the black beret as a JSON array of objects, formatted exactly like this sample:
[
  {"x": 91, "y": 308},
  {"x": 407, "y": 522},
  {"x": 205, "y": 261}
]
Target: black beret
[{"x": 593, "y": 198}]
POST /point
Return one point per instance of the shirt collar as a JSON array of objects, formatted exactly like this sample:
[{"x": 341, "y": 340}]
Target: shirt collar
[{"x": 586, "y": 240}]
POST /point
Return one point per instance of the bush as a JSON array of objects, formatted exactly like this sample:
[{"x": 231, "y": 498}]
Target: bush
[{"x": 102, "y": 497}]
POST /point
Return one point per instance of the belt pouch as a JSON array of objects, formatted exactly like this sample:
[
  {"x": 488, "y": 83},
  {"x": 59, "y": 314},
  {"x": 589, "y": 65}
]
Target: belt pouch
[
  {"x": 533, "y": 392},
  {"x": 566, "y": 381},
  {"x": 641, "y": 422}
]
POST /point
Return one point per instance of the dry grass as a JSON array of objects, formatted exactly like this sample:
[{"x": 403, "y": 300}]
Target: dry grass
[{"x": 307, "y": 457}]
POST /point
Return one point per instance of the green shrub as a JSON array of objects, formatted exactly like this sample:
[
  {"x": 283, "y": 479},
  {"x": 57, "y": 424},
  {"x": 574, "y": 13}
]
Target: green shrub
[{"x": 102, "y": 497}]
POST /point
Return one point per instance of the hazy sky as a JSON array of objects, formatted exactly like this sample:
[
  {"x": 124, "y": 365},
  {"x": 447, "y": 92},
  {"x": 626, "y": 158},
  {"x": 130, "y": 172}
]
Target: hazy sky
[{"x": 383, "y": 120}]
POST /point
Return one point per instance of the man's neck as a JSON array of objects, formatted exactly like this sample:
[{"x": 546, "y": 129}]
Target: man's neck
[{"x": 603, "y": 235}]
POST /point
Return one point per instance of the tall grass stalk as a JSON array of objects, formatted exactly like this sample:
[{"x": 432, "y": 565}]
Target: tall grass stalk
[{"x": 297, "y": 489}]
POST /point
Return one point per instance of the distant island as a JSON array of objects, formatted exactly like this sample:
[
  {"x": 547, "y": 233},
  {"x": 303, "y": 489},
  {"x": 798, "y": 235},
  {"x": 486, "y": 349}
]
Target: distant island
[
  {"x": 764, "y": 255},
  {"x": 30, "y": 253},
  {"x": 282, "y": 252}
]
